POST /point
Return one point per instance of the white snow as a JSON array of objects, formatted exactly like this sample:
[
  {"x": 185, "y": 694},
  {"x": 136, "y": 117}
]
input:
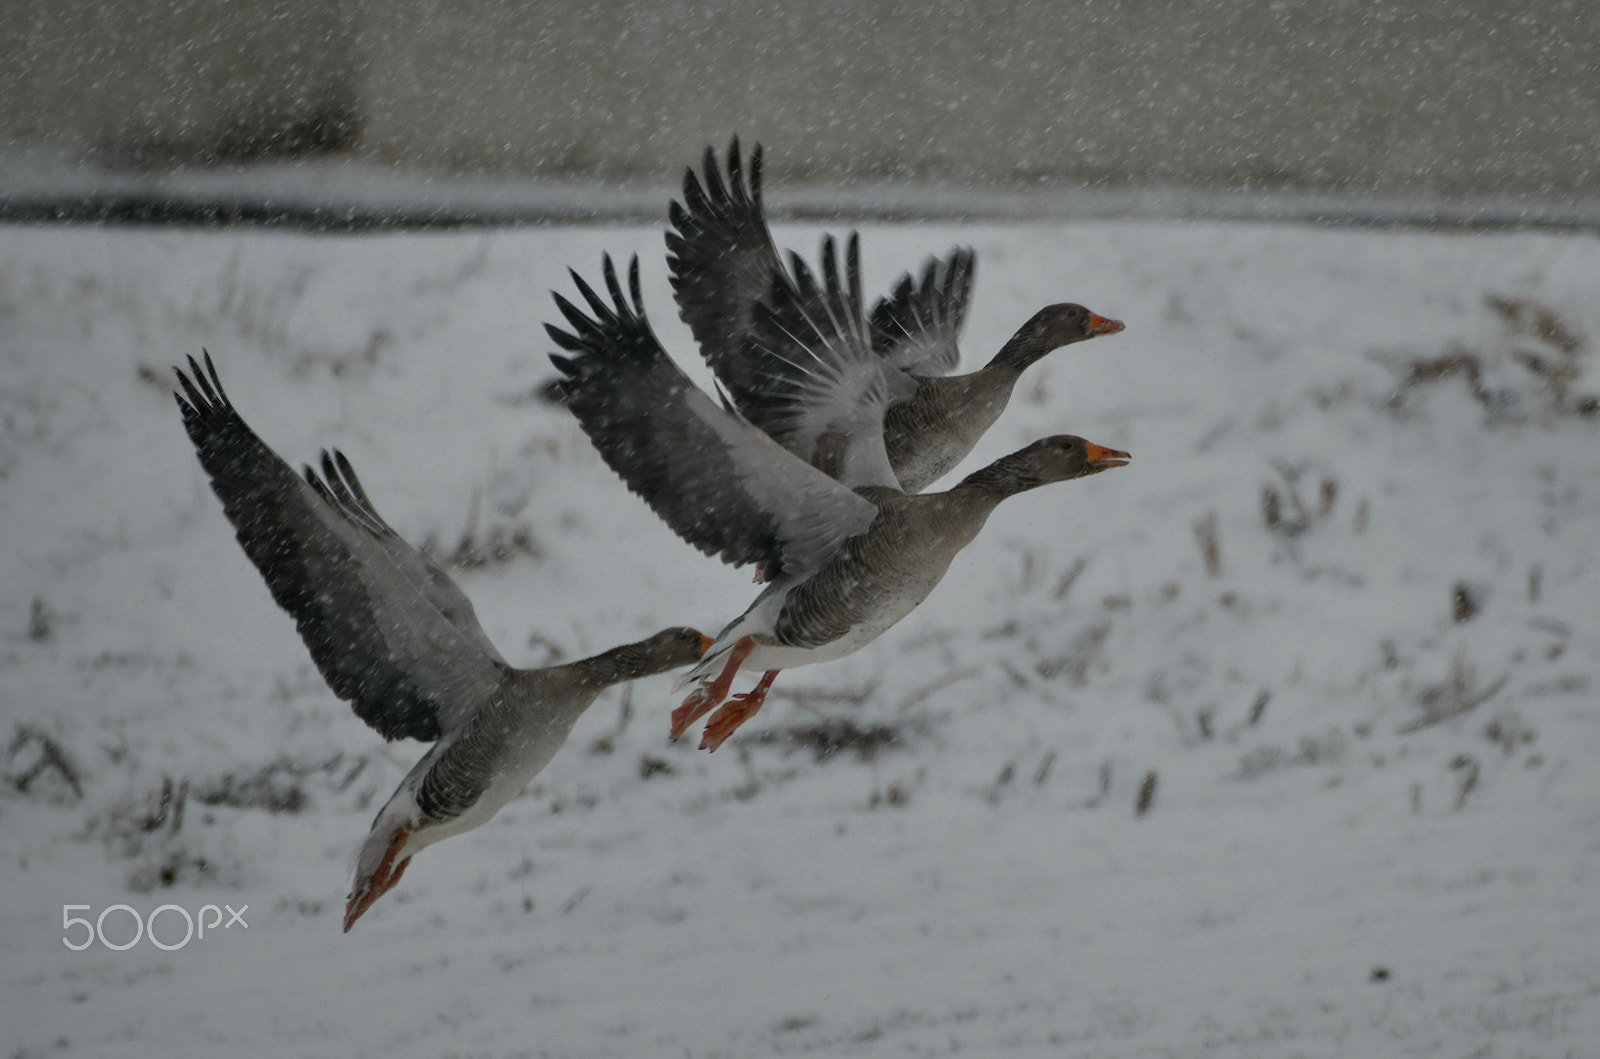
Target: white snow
[{"x": 1318, "y": 871}]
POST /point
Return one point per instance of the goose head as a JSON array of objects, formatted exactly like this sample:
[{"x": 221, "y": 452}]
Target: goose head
[{"x": 1059, "y": 458}]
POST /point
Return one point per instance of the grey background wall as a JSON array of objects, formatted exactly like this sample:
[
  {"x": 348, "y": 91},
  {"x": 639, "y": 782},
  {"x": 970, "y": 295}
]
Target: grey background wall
[{"x": 1398, "y": 98}]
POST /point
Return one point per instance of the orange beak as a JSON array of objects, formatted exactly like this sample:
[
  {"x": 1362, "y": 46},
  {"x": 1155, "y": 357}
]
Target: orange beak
[
  {"x": 1103, "y": 459},
  {"x": 705, "y": 643},
  {"x": 1103, "y": 325}
]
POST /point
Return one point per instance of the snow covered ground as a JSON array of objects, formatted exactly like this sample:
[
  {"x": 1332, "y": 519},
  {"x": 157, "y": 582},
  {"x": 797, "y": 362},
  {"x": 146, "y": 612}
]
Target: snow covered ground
[{"x": 1279, "y": 742}]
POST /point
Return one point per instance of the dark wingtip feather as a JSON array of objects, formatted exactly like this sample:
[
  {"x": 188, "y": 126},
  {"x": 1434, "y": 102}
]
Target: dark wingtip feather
[
  {"x": 185, "y": 409},
  {"x": 198, "y": 403},
  {"x": 329, "y": 470},
  {"x": 583, "y": 335},
  {"x": 613, "y": 287},
  {"x": 853, "y": 271},
  {"x": 596, "y": 305},
  {"x": 695, "y": 197},
  {"x": 210, "y": 381},
  {"x": 348, "y": 472},
  {"x": 564, "y": 340},
  {"x": 721, "y": 190},
  {"x": 634, "y": 286},
  {"x": 802, "y": 272},
  {"x": 736, "y": 185}
]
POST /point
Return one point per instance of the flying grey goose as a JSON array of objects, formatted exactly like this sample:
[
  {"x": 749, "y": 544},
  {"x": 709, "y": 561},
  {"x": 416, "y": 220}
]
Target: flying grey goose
[
  {"x": 395, "y": 636},
  {"x": 723, "y": 262},
  {"x": 848, "y": 553}
]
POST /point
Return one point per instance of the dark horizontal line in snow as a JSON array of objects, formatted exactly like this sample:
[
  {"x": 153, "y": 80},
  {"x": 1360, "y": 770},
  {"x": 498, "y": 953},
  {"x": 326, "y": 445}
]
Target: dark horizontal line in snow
[{"x": 613, "y": 205}]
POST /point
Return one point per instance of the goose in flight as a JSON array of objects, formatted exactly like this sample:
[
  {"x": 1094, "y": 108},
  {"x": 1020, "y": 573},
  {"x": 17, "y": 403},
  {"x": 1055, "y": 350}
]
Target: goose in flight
[
  {"x": 847, "y": 552},
  {"x": 723, "y": 262},
  {"x": 395, "y": 636}
]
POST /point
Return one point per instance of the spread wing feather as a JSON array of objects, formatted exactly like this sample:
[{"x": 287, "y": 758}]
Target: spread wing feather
[
  {"x": 722, "y": 262},
  {"x": 821, "y": 392},
  {"x": 388, "y": 629},
  {"x": 915, "y": 329},
  {"x": 717, "y": 480}
]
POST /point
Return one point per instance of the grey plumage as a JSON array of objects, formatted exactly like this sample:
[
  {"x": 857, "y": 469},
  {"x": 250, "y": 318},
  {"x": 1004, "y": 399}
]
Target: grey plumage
[
  {"x": 848, "y": 555},
  {"x": 825, "y": 393},
  {"x": 723, "y": 262},
  {"x": 916, "y": 328},
  {"x": 388, "y": 630},
  {"x": 730, "y": 283},
  {"x": 719, "y": 482},
  {"x": 393, "y": 634}
]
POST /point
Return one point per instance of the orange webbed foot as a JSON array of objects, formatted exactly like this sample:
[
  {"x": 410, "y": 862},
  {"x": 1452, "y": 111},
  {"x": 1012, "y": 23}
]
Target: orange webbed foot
[
  {"x": 711, "y": 692},
  {"x": 697, "y": 705},
  {"x": 735, "y": 712}
]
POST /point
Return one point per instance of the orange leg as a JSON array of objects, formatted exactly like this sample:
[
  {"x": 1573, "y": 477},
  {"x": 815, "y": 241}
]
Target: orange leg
[
  {"x": 710, "y": 692},
  {"x": 735, "y": 712},
  {"x": 382, "y": 880}
]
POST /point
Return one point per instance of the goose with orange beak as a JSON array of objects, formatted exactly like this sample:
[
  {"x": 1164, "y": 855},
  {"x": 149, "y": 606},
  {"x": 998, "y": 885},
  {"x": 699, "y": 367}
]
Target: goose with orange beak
[
  {"x": 846, "y": 550},
  {"x": 723, "y": 264},
  {"x": 394, "y": 635}
]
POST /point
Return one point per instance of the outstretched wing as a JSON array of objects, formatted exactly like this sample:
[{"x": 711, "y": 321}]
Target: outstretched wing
[
  {"x": 820, "y": 391},
  {"x": 794, "y": 356},
  {"x": 717, "y": 480},
  {"x": 722, "y": 262},
  {"x": 388, "y": 629},
  {"x": 915, "y": 329}
]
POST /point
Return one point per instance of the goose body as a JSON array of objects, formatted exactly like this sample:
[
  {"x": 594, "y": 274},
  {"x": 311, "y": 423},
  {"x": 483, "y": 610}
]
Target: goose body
[
  {"x": 847, "y": 551},
  {"x": 874, "y": 579},
  {"x": 724, "y": 264},
  {"x": 395, "y": 636},
  {"x": 928, "y": 436}
]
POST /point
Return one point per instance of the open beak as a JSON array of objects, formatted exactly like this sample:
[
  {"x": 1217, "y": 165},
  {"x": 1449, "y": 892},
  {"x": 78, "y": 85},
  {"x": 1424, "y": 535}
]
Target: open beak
[
  {"x": 1103, "y": 459},
  {"x": 1103, "y": 325}
]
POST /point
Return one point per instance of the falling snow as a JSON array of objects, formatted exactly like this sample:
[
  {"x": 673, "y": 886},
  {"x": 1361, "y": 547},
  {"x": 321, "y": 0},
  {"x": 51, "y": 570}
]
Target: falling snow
[{"x": 1277, "y": 742}]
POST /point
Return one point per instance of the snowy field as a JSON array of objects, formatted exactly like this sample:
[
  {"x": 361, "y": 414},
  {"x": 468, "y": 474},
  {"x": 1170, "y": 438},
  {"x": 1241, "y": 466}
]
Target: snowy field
[{"x": 1279, "y": 742}]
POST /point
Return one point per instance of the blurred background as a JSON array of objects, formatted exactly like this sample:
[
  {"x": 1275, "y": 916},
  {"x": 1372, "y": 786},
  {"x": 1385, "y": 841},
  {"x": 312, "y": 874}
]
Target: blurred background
[{"x": 429, "y": 110}]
